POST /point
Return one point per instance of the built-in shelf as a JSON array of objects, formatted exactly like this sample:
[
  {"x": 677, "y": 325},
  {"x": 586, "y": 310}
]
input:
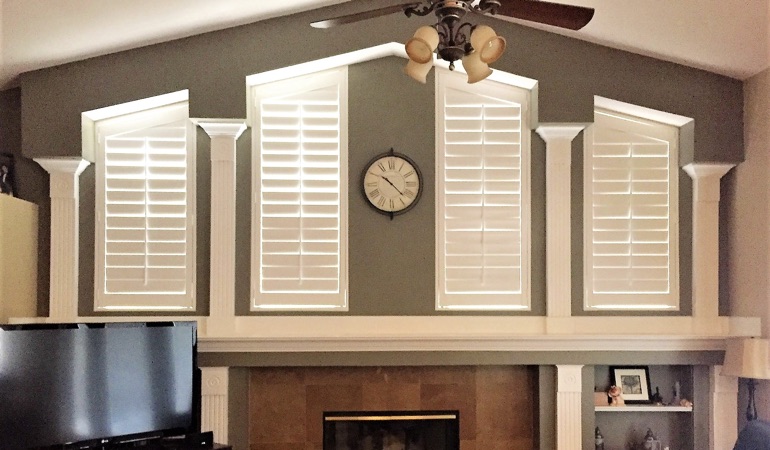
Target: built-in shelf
[{"x": 643, "y": 408}]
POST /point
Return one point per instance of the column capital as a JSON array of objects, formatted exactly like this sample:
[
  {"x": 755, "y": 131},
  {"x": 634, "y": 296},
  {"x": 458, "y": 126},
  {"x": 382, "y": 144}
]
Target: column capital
[
  {"x": 706, "y": 178},
  {"x": 559, "y": 131},
  {"x": 222, "y": 127},
  {"x": 63, "y": 165},
  {"x": 570, "y": 378},
  {"x": 705, "y": 170}
]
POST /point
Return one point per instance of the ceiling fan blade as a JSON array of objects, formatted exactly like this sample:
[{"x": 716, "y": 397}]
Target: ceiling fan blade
[
  {"x": 350, "y": 18},
  {"x": 556, "y": 14}
]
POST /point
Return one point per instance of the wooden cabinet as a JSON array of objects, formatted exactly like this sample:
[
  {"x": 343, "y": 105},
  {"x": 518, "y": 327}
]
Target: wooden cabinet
[{"x": 18, "y": 258}]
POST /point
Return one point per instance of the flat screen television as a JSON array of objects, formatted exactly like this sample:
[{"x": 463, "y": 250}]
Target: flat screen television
[{"x": 81, "y": 385}]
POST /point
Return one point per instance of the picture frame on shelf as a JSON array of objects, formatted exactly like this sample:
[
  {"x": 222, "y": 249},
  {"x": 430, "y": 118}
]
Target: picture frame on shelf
[
  {"x": 7, "y": 181},
  {"x": 634, "y": 382}
]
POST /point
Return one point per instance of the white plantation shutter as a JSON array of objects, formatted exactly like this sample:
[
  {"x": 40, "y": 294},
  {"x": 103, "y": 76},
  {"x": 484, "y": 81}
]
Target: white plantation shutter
[
  {"x": 300, "y": 214},
  {"x": 631, "y": 190},
  {"x": 145, "y": 256},
  {"x": 482, "y": 196}
]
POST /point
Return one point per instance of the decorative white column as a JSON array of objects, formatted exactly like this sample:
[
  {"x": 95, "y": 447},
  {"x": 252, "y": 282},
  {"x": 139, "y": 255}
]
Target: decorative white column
[
  {"x": 723, "y": 419},
  {"x": 569, "y": 417},
  {"x": 705, "y": 243},
  {"x": 224, "y": 134},
  {"x": 558, "y": 255},
  {"x": 214, "y": 401},
  {"x": 65, "y": 200}
]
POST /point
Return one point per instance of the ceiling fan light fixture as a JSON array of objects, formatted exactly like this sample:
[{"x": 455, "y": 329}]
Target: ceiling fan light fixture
[
  {"x": 476, "y": 69},
  {"x": 489, "y": 45},
  {"x": 421, "y": 46},
  {"x": 418, "y": 71}
]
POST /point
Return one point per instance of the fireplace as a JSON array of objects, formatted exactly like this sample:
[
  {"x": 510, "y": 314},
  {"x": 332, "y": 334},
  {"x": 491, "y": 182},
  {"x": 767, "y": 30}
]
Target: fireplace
[
  {"x": 498, "y": 405},
  {"x": 391, "y": 430}
]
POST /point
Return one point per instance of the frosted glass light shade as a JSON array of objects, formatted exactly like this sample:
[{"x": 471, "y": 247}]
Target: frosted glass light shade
[
  {"x": 476, "y": 69},
  {"x": 421, "y": 46},
  {"x": 487, "y": 43},
  {"x": 747, "y": 358},
  {"x": 418, "y": 71}
]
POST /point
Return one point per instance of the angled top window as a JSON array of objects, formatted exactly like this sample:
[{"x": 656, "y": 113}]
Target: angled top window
[
  {"x": 299, "y": 217},
  {"x": 145, "y": 247},
  {"x": 631, "y": 214},
  {"x": 482, "y": 195}
]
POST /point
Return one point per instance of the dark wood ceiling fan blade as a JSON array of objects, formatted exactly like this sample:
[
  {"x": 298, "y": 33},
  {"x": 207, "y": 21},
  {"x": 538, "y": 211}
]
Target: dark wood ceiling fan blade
[
  {"x": 350, "y": 18},
  {"x": 556, "y": 14}
]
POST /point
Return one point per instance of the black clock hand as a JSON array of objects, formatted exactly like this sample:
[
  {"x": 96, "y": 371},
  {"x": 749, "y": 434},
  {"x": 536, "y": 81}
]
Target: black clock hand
[
  {"x": 389, "y": 182},
  {"x": 394, "y": 186}
]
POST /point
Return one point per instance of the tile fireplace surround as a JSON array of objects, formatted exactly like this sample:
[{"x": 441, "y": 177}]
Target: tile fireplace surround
[{"x": 497, "y": 404}]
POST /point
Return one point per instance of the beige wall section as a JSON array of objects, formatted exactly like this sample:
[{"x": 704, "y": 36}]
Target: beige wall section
[
  {"x": 18, "y": 258},
  {"x": 749, "y": 224}
]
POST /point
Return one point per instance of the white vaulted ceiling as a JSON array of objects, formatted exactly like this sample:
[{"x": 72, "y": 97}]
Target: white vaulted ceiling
[{"x": 728, "y": 37}]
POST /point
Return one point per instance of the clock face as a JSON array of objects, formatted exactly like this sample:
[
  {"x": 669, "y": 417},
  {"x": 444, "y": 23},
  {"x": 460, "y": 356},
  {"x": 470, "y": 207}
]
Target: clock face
[{"x": 392, "y": 183}]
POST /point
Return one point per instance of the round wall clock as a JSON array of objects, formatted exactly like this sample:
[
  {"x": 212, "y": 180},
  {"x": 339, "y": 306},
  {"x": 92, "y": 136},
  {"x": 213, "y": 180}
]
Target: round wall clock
[{"x": 392, "y": 183}]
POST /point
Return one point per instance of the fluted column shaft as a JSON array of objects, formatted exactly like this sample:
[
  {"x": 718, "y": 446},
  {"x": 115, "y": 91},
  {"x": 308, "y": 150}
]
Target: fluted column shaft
[
  {"x": 569, "y": 417},
  {"x": 224, "y": 134},
  {"x": 65, "y": 200},
  {"x": 705, "y": 238},
  {"x": 214, "y": 401},
  {"x": 558, "y": 139}
]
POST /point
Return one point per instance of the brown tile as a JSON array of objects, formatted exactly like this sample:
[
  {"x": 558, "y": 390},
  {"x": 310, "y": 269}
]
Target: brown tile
[
  {"x": 391, "y": 396},
  {"x": 503, "y": 411},
  {"x": 454, "y": 397},
  {"x": 448, "y": 375},
  {"x": 277, "y": 375},
  {"x": 336, "y": 375},
  {"x": 503, "y": 374},
  {"x": 328, "y": 398},
  {"x": 398, "y": 374},
  {"x": 467, "y": 445},
  {"x": 277, "y": 414}
]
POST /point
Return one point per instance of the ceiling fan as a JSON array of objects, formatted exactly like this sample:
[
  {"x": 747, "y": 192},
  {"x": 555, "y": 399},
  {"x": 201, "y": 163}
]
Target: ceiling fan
[{"x": 454, "y": 39}]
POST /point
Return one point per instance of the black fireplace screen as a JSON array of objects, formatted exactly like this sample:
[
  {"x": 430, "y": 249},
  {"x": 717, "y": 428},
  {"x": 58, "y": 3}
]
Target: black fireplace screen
[{"x": 391, "y": 430}]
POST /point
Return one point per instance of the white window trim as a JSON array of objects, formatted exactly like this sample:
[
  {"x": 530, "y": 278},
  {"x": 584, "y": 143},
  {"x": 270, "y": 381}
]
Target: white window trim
[
  {"x": 485, "y": 301},
  {"x": 116, "y": 120},
  {"x": 667, "y": 129},
  {"x": 318, "y": 302}
]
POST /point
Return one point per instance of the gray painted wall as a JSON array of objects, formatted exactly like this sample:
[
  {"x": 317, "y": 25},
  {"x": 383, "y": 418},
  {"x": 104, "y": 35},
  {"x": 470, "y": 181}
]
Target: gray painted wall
[{"x": 213, "y": 67}]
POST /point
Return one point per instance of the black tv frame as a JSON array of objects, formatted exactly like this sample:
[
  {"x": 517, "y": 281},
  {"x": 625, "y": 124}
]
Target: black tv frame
[{"x": 150, "y": 439}]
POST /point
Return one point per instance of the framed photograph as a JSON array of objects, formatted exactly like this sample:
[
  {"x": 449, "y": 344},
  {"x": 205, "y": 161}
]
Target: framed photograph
[
  {"x": 7, "y": 182},
  {"x": 634, "y": 382}
]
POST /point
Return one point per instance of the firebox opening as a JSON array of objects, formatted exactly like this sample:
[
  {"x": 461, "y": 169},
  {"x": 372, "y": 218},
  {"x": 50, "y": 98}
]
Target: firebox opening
[{"x": 391, "y": 430}]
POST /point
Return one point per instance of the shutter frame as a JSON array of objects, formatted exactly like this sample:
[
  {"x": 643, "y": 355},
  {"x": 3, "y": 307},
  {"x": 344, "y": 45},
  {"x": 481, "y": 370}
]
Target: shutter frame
[
  {"x": 504, "y": 155},
  {"x": 299, "y": 164},
  {"x": 169, "y": 152},
  {"x": 631, "y": 275}
]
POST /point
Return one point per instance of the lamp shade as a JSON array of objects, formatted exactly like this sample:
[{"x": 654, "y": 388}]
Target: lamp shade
[
  {"x": 418, "y": 71},
  {"x": 476, "y": 69},
  {"x": 421, "y": 46},
  {"x": 489, "y": 45},
  {"x": 747, "y": 358}
]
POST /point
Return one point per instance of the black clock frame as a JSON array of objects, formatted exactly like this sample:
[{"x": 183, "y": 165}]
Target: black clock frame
[{"x": 417, "y": 170}]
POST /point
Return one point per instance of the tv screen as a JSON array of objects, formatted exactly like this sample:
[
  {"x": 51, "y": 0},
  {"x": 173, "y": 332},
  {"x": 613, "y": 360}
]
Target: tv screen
[{"x": 76, "y": 383}]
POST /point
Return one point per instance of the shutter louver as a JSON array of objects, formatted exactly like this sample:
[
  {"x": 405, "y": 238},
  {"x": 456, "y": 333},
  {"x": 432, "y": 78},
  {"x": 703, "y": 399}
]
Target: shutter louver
[
  {"x": 300, "y": 199},
  {"x": 146, "y": 217},
  {"x": 482, "y": 258},
  {"x": 632, "y": 232}
]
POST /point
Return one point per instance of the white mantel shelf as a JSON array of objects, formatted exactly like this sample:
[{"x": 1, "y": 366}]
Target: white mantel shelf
[{"x": 455, "y": 333}]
